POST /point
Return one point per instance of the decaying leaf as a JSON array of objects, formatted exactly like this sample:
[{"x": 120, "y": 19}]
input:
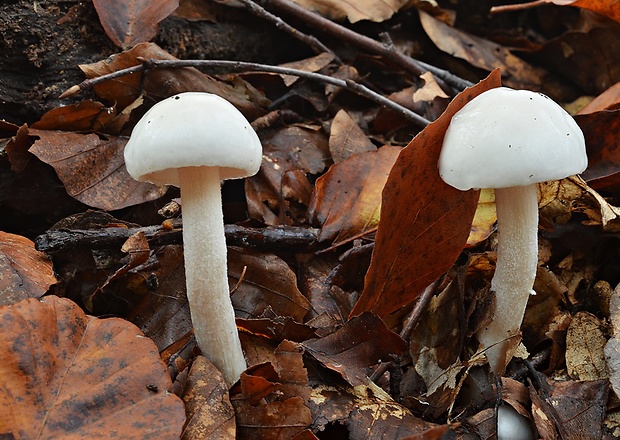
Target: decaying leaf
[
  {"x": 128, "y": 22},
  {"x": 125, "y": 90},
  {"x": 267, "y": 284},
  {"x": 612, "y": 347},
  {"x": 483, "y": 53},
  {"x": 92, "y": 168},
  {"x": 585, "y": 342},
  {"x": 366, "y": 410},
  {"x": 373, "y": 10},
  {"x": 360, "y": 343},
  {"x": 347, "y": 199},
  {"x": 274, "y": 397},
  {"x": 603, "y": 7},
  {"x": 26, "y": 273},
  {"x": 210, "y": 414},
  {"x": 484, "y": 219},
  {"x": 424, "y": 222},
  {"x": 313, "y": 64},
  {"x": 69, "y": 375},
  {"x": 346, "y": 138}
]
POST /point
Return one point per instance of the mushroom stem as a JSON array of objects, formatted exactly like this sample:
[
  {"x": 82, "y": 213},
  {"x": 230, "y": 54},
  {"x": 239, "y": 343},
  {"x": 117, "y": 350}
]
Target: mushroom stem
[
  {"x": 517, "y": 259},
  {"x": 206, "y": 272}
]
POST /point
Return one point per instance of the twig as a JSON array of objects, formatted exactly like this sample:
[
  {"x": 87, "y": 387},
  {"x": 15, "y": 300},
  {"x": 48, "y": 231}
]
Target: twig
[
  {"x": 276, "y": 238},
  {"x": 517, "y": 7},
  {"x": 316, "y": 21},
  {"x": 310, "y": 40},
  {"x": 245, "y": 66}
]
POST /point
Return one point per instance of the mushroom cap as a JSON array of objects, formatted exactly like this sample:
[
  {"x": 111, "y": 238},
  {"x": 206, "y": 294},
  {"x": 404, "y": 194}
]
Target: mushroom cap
[
  {"x": 505, "y": 137},
  {"x": 192, "y": 129}
]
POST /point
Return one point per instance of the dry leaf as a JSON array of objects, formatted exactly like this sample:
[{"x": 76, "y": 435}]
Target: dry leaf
[
  {"x": 373, "y": 10},
  {"x": 73, "y": 376},
  {"x": 424, "y": 222},
  {"x": 483, "y": 53},
  {"x": 585, "y": 343},
  {"x": 210, "y": 414},
  {"x": 83, "y": 116},
  {"x": 359, "y": 343},
  {"x": 26, "y": 273},
  {"x": 612, "y": 348},
  {"x": 603, "y": 7},
  {"x": 367, "y": 411},
  {"x": 484, "y": 219},
  {"x": 128, "y": 22},
  {"x": 313, "y": 64},
  {"x": 347, "y": 199},
  {"x": 92, "y": 168},
  {"x": 346, "y": 138},
  {"x": 268, "y": 284}
]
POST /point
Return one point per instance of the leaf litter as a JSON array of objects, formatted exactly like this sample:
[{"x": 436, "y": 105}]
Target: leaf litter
[{"x": 328, "y": 334}]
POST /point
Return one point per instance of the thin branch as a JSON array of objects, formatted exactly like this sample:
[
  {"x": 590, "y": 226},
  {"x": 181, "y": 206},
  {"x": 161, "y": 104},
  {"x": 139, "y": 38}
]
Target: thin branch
[
  {"x": 310, "y": 40},
  {"x": 322, "y": 24},
  {"x": 517, "y": 7},
  {"x": 244, "y": 66}
]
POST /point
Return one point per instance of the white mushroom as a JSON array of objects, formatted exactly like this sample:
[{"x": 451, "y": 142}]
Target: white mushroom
[
  {"x": 511, "y": 425},
  {"x": 195, "y": 140},
  {"x": 510, "y": 140}
]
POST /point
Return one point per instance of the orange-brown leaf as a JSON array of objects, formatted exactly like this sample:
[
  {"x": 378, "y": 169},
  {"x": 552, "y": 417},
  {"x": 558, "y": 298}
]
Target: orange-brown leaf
[
  {"x": 128, "y": 22},
  {"x": 69, "y": 375},
  {"x": 26, "y": 273},
  {"x": 424, "y": 222},
  {"x": 92, "y": 169},
  {"x": 347, "y": 199}
]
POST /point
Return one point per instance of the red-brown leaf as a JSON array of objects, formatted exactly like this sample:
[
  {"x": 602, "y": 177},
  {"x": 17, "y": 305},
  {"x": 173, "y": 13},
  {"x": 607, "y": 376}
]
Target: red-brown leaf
[
  {"x": 128, "y": 22},
  {"x": 424, "y": 222}
]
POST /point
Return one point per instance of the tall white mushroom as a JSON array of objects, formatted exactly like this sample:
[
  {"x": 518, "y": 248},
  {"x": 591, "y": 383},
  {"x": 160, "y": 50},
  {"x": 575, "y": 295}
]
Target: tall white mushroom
[
  {"x": 510, "y": 140},
  {"x": 194, "y": 140}
]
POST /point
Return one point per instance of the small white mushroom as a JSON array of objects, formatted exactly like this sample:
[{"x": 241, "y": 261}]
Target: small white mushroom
[
  {"x": 194, "y": 140},
  {"x": 510, "y": 140}
]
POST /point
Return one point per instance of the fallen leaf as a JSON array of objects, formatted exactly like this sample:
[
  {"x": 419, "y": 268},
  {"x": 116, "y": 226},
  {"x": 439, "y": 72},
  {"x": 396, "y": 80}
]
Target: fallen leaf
[
  {"x": 424, "y": 222},
  {"x": 86, "y": 115},
  {"x": 484, "y": 219},
  {"x": 26, "y": 273},
  {"x": 210, "y": 414},
  {"x": 128, "y": 22},
  {"x": 69, "y": 375},
  {"x": 608, "y": 100},
  {"x": 161, "y": 83},
  {"x": 313, "y": 64},
  {"x": 373, "y": 10},
  {"x": 347, "y": 199},
  {"x": 359, "y": 343},
  {"x": 601, "y": 130},
  {"x": 603, "y": 7},
  {"x": 92, "y": 168},
  {"x": 367, "y": 411},
  {"x": 585, "y": 343},
  {"x": 284, "y": 411},
  {"x": 346, "y": 138},
  {"x": 483, "y": 53},
  {"x": 267, "y": 284}
]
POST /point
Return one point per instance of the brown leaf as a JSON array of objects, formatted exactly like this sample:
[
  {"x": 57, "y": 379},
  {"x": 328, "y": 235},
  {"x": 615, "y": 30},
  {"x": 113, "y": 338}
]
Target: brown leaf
[
  {"x": 483, "y": 53},
  {"x": 84, "y": 116},
  {"x": 268, "y": 283},
  {"x": 358, "y": 344},
  {"x": 368, "y": 412},
  {"x": 69, "y": 375},
  {"x": 210, "y": 414},
  {"x": 585, "y": 344},
  {"x": 347, "y": 199},
  {"x": 608, "y": 100},
  {"x": 373, "y": 10},
  {"x": 92, "y": 169},
  {"x": 128, "y": 22},
  {"x": 283, "y": 413},
  {"x": 161, "y": 83},
  {"x": 26, "y": 273},
  {"x": 603, "y": 7},
  {"x": 484, "y": 219},
  {"x": 602, "y": 132},
  {"x": 346, "y": 138},
  {"x": 313, "y": 64},
  {"x": 293, "y": 148},
  {"x": 424, "y": 222}
]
